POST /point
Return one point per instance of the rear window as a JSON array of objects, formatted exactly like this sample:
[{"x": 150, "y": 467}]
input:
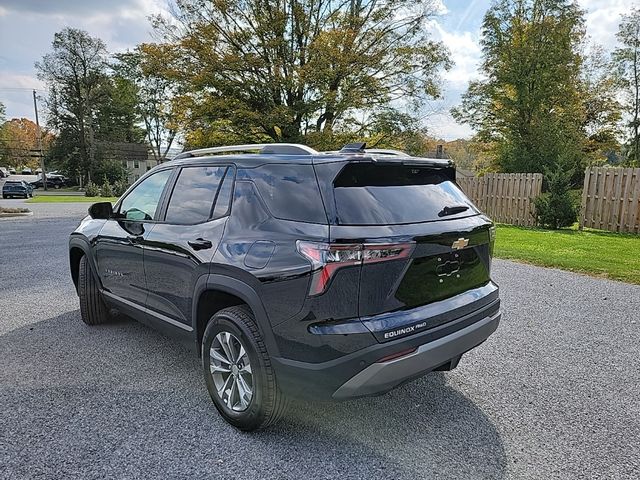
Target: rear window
[
  {"x": 290, "y": 191},
  {"x": 369, "y": 194}
]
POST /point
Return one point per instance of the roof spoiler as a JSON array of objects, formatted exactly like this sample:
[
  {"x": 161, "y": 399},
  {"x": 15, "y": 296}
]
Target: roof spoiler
[{"x": 354, "y": 148}]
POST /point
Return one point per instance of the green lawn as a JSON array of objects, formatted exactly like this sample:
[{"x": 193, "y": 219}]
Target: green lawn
[
  {"x": 70, "y": 199},
  {"x": 603, "y": 254}
]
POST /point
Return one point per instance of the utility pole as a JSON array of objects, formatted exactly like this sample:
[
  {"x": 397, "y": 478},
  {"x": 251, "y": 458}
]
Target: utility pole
[{"x": 44, "y": 175}]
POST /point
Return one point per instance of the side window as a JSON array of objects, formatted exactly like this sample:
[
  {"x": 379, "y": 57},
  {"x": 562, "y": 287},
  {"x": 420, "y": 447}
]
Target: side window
[
  {"x": 290, "y": 192},
  {"x": 194, "y": 194},
  {"x": 142, "y": 201},
  {"x": 224, "y": 195}
]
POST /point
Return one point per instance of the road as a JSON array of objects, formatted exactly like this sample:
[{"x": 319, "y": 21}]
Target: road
[{"x": 553, "y": 394}]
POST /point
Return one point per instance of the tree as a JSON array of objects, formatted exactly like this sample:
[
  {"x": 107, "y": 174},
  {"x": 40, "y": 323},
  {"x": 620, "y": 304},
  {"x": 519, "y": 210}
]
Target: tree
[
  {"x": 117, "y": 119},
  {"x": 155, "y": 94},
  {"x": 19, "y": 143},
  {"x": 555, "y": 208},
  {"x": 256, "y": 70},
  {"x": 75, "y": 73},
  {"x": 600, "y": 105},
  {"x": 627, "y": 60},
  {"x": 2, "y": 112},
  {"x": 528, "y": 106}
]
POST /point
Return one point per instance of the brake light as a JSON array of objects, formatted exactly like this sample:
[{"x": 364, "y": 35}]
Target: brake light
[{"x": 327, "y": 258}]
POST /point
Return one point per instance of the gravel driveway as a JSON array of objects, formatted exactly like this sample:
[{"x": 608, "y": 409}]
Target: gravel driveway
[{"x": 553, "y": 394}]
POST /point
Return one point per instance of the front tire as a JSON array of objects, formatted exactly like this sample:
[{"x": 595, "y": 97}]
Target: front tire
[
  {"x": 238, "y": 371},
  {"x": 92, "y": 308}
]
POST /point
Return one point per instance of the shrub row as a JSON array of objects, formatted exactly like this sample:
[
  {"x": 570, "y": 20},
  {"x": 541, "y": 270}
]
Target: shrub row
[{"x": 106, "y": 189}]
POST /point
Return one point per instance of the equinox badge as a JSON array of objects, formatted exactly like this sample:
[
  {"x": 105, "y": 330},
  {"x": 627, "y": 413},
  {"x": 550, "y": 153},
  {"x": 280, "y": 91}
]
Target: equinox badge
[{"x": 460, "y": 243}]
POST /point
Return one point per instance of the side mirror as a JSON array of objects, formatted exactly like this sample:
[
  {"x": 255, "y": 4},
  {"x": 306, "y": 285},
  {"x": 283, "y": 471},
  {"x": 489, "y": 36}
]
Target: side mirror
[{"x": 101, "y": 211}]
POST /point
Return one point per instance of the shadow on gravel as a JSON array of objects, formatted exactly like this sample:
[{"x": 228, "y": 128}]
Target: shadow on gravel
[{"x": 121, "y": 400}]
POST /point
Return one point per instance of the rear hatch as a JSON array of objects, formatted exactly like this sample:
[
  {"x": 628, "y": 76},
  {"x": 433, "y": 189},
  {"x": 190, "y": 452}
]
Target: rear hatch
[
  {"x": 415, "y": 203},
  {"x": 13, "y": 187}
]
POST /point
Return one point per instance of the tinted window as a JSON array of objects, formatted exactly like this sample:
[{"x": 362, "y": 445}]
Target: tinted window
[
  {"x": 141, "y": 203},
  {"x": 289, "y": 191},
  {"x": 224, "y": 195},
  {"x": 194, "y": 193},
  {"x": 368, "y": 194}
]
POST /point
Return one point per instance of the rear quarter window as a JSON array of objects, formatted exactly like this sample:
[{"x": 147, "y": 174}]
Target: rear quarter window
[{"x": 290, "y": 192}]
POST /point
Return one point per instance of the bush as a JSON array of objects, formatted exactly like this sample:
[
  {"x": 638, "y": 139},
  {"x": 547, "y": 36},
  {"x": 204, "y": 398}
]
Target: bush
[
  {"x": 556, "y": 208},
  {"x": 106, "y": 190},
  {"x": 119, "y": 188},
  {"x": 91, "y": 190}
]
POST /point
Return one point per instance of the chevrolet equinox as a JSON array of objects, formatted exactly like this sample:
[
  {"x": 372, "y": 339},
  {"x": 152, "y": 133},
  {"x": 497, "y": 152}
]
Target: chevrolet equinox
[{"x": 293, "y": 272}]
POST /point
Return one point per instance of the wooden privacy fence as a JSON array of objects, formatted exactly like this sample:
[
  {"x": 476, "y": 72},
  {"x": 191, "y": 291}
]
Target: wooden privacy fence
[
  {"x": 611, "y": 199},
  {"x": 505, "y": 197}
]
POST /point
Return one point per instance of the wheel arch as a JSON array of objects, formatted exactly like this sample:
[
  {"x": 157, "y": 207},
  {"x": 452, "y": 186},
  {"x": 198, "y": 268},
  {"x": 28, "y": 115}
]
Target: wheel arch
[
  {"x": 214, "y": 292},
  {"x": 78, "y": 248}
]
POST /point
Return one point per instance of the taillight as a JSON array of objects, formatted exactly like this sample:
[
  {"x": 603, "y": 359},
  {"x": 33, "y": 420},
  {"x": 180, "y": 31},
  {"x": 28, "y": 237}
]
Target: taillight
[{"x": 326, "y": 258}]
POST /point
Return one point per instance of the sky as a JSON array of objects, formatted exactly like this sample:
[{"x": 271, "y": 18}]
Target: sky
[{"x": 27, "y": 28}]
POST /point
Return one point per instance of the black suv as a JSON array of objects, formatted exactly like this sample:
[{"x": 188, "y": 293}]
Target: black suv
[{"x": 293, "y": 272}]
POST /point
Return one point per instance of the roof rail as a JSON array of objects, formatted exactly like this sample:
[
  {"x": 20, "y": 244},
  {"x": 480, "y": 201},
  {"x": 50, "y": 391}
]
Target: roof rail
[
  {"x": 265, "y": 148},
  {"x": 383, "y": 151}
]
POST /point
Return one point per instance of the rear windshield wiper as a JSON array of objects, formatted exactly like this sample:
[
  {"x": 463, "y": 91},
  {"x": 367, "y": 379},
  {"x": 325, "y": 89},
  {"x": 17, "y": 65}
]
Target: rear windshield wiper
[{"x": 452, "y": 210}]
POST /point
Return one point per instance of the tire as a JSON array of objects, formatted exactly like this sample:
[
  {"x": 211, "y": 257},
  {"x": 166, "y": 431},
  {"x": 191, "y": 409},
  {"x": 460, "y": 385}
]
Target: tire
[
  {"x": 266, "y": 404},
  {"x": 92, "y": 308},
  {"x": 4, "y": 196}
]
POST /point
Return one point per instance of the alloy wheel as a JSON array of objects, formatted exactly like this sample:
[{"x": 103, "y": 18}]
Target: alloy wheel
[{"x": 231, "y": 371}]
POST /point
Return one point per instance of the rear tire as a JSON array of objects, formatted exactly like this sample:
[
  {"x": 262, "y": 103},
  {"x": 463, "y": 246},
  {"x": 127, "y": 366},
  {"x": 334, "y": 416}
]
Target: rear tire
[
  {"x": 230, "y": 376},
  {"x": 92, "y": 308}
]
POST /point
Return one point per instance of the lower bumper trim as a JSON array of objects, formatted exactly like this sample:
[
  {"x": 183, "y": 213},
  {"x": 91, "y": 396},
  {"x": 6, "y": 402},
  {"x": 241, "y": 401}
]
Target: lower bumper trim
[{"x": 383, "y": 376}]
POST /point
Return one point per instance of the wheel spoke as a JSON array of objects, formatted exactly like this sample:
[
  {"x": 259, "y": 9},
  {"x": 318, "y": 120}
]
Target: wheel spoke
[
  {"x": 223, "y": 390},
  {"x": 245, "y": 392},
  {"x": 241, "y": 353},
  {"x": 224, "y": 343},
  {"x": 219, "y": 369},
  {"x": 235, "y": 394},
  {"x": 217, "y": 356},
  {"x": 246, "y": 369}
]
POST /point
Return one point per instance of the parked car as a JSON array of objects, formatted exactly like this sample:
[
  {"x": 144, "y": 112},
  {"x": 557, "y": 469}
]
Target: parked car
[
  {"x": 16, "y": 188},
  {"x": 27, "y": 171},
  {"x": 295, "y": 273},
  {"x": 4, "y": 173},
  {"x": 53, "y": 181},
  {"x": 12, "y": 171}
]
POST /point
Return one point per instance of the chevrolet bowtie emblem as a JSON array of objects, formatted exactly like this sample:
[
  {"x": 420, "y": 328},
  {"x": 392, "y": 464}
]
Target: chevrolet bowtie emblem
[{"x": 460, "y": 243}]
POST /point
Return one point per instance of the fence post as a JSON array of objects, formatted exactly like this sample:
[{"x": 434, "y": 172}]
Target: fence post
[{"x": 583, "y": 203}]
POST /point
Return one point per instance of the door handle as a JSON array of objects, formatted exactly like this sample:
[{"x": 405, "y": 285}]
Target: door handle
[
  {"x": 200, "y": 244},
  {"x": 134, "y": 238}
]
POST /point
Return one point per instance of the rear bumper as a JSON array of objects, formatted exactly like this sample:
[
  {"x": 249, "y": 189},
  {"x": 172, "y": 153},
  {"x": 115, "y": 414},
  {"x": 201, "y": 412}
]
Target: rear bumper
[
  {"x": 383, "y": 376},
  {"x": 362, "y": 374}
]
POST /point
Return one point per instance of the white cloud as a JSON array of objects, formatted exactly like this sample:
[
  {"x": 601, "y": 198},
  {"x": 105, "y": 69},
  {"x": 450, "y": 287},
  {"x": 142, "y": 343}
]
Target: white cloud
[
  {"x": 603, "y": 18},
  {"x": 10, "y": 80},
  {"x": 442, "y": 125},
  {"x": 439, "y": 7},
  {"x": 465, "y": 53}
]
